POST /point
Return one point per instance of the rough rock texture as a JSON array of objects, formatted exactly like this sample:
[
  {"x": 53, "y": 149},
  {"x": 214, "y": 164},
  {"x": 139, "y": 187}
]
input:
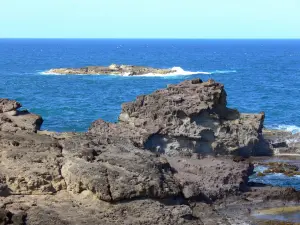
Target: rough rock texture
[
  {"x": 283, "y": 142},
  {"x": 115, "y": 170},
  {"x": 210, "y": 178},
  {"x": 188, "y": 118},
  {"x": 30, "y": 163},
  {"x": 107, "y": 175},
  {"x": 67, "y": 209},
  {"x": 12, "y": 119},
  {"x": 124, "y": 70}
]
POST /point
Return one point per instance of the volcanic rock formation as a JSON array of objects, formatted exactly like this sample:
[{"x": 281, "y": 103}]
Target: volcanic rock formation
[
  {"x": 12, "y": 119},
  {"x": 188, "y": 118},
  {"x": 123, "y": 70},
  {"x": 158, "y": 165}
]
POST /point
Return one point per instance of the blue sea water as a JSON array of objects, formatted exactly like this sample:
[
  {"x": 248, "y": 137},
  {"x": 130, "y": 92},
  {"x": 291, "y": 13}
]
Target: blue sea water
[
  {"x": 259, "y": 75},
  {"x": 275, "y": 179}
]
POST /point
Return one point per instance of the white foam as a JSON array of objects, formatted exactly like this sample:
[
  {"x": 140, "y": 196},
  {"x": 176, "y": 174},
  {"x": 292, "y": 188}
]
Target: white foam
[
  {"x": 180, "y": 71},
  {"x": 49, "y": 73},
  {"x": 223, "y": 71},
  {"x": 290, "y": 128}
]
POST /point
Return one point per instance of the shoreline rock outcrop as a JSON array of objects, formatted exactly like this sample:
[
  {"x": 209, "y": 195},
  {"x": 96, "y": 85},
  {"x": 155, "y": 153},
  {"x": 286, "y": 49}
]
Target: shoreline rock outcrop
[
  {"x": 283, "y": 142},
  {"x": 113, "y": 69},
  {"x": 188, "y": 118},
  {"x": 12, "y": 119},
  {"x": 168, "y": 161}
]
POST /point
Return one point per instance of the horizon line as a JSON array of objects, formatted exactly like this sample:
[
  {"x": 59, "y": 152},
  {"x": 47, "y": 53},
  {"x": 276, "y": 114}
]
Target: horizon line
[{"x": 158, "y": 38}]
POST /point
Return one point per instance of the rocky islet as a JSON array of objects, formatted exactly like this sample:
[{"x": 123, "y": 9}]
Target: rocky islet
[{"x": 113, "y": 69}]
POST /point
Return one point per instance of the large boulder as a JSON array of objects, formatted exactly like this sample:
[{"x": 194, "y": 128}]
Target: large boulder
[
  {"x": 191, "y": 117},
  {"x": 115, "y": 170},
  {"x": 12, "y": 119},
  {"x": 209, "y": 179}
]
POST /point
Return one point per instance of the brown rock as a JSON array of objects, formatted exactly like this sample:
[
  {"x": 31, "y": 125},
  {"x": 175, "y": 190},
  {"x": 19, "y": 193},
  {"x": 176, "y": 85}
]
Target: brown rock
[
  {"x": 188, "y": 118},
  {"x": 13, "y": 120}
]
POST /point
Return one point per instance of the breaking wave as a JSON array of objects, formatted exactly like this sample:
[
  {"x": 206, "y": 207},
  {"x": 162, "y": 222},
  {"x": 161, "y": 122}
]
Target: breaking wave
[
  {"x": 181, "y": 72},
  {"x": 291, "y": 128}
]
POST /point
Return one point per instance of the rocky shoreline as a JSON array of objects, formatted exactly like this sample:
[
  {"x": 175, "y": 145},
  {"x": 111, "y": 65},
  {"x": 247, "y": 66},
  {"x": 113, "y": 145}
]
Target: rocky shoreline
[
  {"x": 113, "y": 69},
  {"x": 177, "y": 156}
]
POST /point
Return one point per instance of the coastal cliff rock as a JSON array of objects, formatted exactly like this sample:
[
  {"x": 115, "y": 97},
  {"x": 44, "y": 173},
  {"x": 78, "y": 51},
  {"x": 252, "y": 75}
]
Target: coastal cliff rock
[
  {"x": 188, "y": 118},
  {"x": 12, "y": 119},
  {"x": 123, "y": 70},
  {"x": 168, "y": 161}
]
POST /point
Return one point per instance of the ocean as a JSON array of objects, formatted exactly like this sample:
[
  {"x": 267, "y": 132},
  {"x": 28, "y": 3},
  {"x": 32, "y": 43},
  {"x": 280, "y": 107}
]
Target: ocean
[{"x": 259, "y": 75}]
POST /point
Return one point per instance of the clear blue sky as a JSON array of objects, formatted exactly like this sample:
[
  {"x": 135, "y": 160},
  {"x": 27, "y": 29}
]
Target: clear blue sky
[{"x": 150, "y": 18}]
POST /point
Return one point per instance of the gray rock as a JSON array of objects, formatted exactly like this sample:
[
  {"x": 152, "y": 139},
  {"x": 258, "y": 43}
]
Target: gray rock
[
  {"x": 123, "y": 70},
  {"x": 210, "y": 179},
  {"x": 7, "y": 105},
  {"x": 13, "y": 120},
  {"x": 108, "y": 176},
  {"x": 115, "y": 170},
  {"x": 283, "y": 142},
  {"x": 188, "y": 118}
]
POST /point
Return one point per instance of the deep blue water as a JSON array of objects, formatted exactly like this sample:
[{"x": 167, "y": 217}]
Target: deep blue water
[{"x": 262, "y": 75}]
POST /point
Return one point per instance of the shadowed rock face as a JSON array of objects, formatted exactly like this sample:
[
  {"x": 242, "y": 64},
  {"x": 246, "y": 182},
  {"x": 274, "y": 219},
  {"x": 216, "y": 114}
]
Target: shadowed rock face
[
  {"x": 188, "y": 118},
  {"x": 124, "y": 70}
]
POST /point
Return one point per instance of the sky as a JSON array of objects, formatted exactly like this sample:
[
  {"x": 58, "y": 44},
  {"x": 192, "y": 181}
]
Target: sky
[{"x": 149, "y": 18}]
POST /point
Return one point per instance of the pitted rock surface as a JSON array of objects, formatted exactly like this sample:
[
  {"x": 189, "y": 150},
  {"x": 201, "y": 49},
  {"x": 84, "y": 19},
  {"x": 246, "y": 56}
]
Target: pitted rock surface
[
  {"x": 13, "y": 120},
  {"x": 30, "y": 163},
  {"x": 115, "y": 170},
  {"x": 191, "y": 117},
  {"x": 210, "y": 178}
]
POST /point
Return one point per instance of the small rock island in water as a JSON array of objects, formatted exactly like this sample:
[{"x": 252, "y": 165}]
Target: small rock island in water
[{"x": 113, "y": 69}]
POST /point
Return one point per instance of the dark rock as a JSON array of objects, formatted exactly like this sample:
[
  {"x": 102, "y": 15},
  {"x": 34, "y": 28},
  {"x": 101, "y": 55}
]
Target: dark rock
[
  {"x": 282, "y": 144},
  {"x": 3, "y": 217}
]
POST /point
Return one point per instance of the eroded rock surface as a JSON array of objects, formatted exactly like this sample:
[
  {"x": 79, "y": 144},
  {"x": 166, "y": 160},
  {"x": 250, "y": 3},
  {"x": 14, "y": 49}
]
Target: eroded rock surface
[
  {"x": 150, "y": 168},
  {"x": 123, "y": 70},
  {"x": 30, "y": 163},
  {"x": 115, "y": 170},
  {"x": 12, "y": 119},
  {"x": 188, "y": 118},
  {"x": 210, "y": 178}
]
